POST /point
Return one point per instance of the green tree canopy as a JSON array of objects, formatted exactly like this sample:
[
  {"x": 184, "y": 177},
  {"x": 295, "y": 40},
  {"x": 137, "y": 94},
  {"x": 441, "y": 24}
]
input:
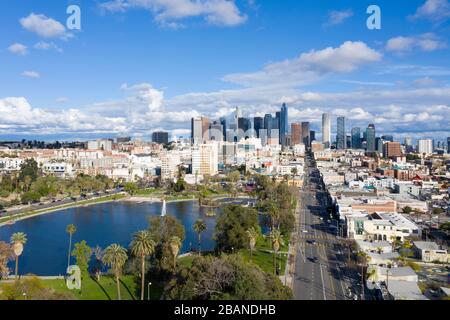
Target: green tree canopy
[
  {"x": 232, "y": 226},
  {"x": 82, "y": 253},
  {"x": 227, "y": 277}
]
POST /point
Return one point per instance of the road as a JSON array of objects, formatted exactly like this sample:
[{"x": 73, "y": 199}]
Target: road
[
  {"x": 50, "y": 205},
  {"x": 321, "y": 271}
]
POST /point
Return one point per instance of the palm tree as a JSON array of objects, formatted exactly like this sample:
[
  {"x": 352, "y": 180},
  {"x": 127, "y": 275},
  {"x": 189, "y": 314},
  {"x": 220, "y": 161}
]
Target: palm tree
[
  {"x": 116, "y": 256},
  {"x": 364, "y": 261},
  {"x": 252, "y": 236},
  {"x": 18, "y": 240},
  {"x": 277, "y": 242},
  {"x": 175, "y": 245},
  {"x": 199, "y": 228},
  {"x": 70, "y": 229},
  {"x": 141, "y": 247}
]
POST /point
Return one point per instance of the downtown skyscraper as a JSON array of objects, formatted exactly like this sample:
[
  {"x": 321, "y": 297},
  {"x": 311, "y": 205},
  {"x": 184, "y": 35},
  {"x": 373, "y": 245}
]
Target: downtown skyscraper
[
  {"x": 284, "y": 124},
  {"x": 326, "y": 130},
  {"x": 341, "y": 138},
  {"x": 370, "y": 138}
]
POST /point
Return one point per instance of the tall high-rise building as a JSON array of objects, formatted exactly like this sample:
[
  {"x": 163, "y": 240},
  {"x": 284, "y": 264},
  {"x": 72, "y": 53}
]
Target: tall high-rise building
[
  {"x": 448, "y": 144},
  {"x": 223, "y": 122},
  {"x": 408, "y": 142},
  {"x": 268, "y": 123},
  {"x": 205, "y": 158},
  {"x": 296, "y": 133},
  {"x": 216, "y": 131},
  {"x": 326, "y": 130},
  {"x": 312, "y": 135},
  {"x": 284, "y": 124},
  {"x": 379, "y": 145},
  {"x": 356, "y": 138},
  {"x": 306, "y": 138},
  {"x": 200, "y": 130},
  {"x": 425, "y": 146},
  {"x": 196, "y": 130},
  {"x": 370, "y": 138},
  {"x": 160, "y": 137},
  {"x": 258, "y": 124},
  {"x": 341, "y": 135}
]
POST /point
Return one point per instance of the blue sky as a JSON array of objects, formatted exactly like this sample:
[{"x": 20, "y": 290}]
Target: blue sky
[{"x": 141, "y": 65}]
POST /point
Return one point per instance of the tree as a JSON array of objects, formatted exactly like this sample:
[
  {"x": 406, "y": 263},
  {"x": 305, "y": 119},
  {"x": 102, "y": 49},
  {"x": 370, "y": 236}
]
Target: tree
[
  {"x": 6, "y": 254},
  {"x": 162, "y": 229},
  {"x": 180, "y": 185},
  {"x": 29, "y": 168},
  {"x": 130, "y": 187},
  {"x": 98, "y": 265},
  {"x": 70, "y": 229},
  {"x": 115, "y": 256},
  {"x": 363, "y": 259},
  {"x": 277, "y": 241},
  {"x": 232, "y": 226},
  {"x": 141, "y": 247},
  {"x": 252, "y": 235},
  {"x": 407, "y": 210},
  {"x": 227, "y": 277},
  {"x": 18, "y": 240},
  {"x": 175, "y": 246},
  {"x": 199, "y": 228},
  {"x": 82, "y": 253}
]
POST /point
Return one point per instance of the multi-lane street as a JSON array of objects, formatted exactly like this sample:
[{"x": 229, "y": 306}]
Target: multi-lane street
[{"x": 321, "y": 271}]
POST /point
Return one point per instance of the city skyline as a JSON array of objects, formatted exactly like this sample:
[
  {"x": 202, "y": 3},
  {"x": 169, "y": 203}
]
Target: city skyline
[{"x": 396, "y": 77}]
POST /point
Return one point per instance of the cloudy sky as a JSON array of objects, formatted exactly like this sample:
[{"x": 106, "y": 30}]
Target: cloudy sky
[{"x": 142, "y": 65}]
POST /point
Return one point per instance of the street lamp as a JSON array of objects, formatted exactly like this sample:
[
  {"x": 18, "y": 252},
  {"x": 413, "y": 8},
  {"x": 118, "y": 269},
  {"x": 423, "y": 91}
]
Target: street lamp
[{"x": 148, "y": 290}]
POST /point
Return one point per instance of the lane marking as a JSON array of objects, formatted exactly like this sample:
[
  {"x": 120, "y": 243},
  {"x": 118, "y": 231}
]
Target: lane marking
[{"x": 323, "y": 284}]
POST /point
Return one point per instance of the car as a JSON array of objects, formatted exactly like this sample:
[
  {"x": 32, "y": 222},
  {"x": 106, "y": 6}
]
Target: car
[
  {"x": 305, "y": 231},
  {"x": 314, "y": 259},
  {"x": 313, "y": 242}
]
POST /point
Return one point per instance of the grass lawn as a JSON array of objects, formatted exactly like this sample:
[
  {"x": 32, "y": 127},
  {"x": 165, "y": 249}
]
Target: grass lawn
[
  {"x": 264, "y": 260},
  {"x": 186, "y": 261},
  {"x": 104, "y": 290}
]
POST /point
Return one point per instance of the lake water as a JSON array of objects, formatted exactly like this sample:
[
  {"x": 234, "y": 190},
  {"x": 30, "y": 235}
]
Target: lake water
[{"x": 45, "y": 253}]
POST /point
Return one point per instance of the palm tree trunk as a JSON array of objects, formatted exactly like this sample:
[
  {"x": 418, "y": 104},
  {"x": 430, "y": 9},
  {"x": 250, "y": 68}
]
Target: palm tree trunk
[
  {"x": 17, "y": 267},
  {"x": 251, "y": 254},
  {"x": 199, "y": 244},
  {"x": 143, "y": 277},
  {"x": 70, "y": 247},
  {"x": 274, "y": 263},
  {"x": 118, "y": 288}
]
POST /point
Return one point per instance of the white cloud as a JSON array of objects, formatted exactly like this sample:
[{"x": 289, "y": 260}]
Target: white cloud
[
  {"x": 309, "y": 67},
  {"x": 42, "y": 45},
  {"x": 167, "y": 12},
  {"x": 143, "y": 109},
  {"x": 338, "y": 17},
  {"x": 31, "y": 74},
  {"x": 433, "y": 10},
  {"x": 426, "y": 42},
  {"x": 18, "y": 48},
  {"x": 44, "y": 26}
]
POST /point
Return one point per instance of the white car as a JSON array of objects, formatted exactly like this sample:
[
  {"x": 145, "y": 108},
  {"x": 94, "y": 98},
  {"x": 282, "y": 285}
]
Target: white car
[{"x": 305, "y": 231}]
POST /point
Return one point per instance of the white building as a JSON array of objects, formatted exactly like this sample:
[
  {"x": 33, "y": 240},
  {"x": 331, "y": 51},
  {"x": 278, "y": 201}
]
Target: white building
[
  {"x": 205, "y": 159},
  {"x": 425, "y": 146},
  {"x": 59, "y": 169},
  {"x": 103, "y": 144},
  {"x": 10, "y": 164}
]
